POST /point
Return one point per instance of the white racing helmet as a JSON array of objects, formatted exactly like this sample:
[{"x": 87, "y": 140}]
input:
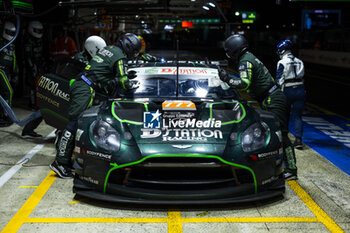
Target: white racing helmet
[
  {"x": 35, "y": 28},
  {"x": 9, "y": 31},
  {"x": 93, "y": 44}
]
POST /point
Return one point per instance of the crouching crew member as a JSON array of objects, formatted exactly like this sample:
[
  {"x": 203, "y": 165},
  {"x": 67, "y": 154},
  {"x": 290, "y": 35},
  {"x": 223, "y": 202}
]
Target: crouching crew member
[{"x": 108, "y": 63}]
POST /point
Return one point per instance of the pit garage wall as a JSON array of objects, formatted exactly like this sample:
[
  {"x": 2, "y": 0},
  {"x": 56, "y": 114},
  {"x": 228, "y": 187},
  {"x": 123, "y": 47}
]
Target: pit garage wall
[
  {"x": 329, "y": 58},
  {"x": 327, "y": 79}
]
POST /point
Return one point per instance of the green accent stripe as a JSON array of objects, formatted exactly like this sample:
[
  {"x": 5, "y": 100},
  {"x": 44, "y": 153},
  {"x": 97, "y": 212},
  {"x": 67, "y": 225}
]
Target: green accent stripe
[
  {"x": 248, "y": 82},
  {"x": 92, "y": 97},
  {"x": 120, "y": 65},
  {"x": 123, "y": 79},
  {"x": 116, "y": 166},
  {"x": 127, "y": 121},
  {"x": 227, "y": 122},
  {"x": 14, "y": 61},
  {"x": 22, "y": 4},
  {"x": 2, "y": 73},
  {"x": 250, "y": 66},
  {"x": 71, "y": 82}
]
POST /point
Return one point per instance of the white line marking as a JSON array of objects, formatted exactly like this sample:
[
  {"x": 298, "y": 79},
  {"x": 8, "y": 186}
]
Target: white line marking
[{"x": 5, "y": 177}]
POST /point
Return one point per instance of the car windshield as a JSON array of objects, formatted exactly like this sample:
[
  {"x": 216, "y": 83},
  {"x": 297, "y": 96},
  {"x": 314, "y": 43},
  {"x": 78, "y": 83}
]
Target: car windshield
[{"x": 198, "y": 82}]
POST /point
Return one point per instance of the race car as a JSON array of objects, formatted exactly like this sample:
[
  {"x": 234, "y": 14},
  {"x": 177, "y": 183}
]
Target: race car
[{"x": 182, "y": 136}]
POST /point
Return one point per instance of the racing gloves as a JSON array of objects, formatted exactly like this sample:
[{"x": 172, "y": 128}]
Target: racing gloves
[
  {"x": 131, "y": 74},
  {"x": 223, "y": 76}
]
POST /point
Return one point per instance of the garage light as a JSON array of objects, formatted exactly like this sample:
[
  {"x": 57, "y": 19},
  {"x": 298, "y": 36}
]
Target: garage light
[
  {"x": 211, "y": 4},
  {"x": 217, "y": 7}
]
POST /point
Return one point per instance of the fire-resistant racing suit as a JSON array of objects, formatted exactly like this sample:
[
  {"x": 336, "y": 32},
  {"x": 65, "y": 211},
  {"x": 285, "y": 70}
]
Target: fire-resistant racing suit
[
  {"x": 103, "y": 68},
  {"x": 8, "y": 70},
  {"x": 255, "y": 78},
  {"x": 290, "y": 77}
]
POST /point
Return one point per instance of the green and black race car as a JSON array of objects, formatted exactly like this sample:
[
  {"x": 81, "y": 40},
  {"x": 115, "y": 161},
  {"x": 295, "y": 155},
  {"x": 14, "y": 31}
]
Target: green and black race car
[{"x": 181, "y": 137}]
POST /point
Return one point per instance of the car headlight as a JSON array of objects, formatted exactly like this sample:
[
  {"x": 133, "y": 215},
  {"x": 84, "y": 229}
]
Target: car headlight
[
  {"x": 105, "y": 136},
  {"x": 254, "y": 137}
]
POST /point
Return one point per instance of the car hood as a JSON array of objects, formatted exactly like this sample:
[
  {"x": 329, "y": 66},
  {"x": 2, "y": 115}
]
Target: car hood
[{"x": 180, "y": 124}]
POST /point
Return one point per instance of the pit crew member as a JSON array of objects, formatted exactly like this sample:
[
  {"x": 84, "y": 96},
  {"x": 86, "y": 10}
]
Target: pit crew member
[
  {"x": 8, "y": 70},
  {"x": 260, "y": 85},
  {"x": 108, "y": 63},
  {"x": 290, "y": 77}
]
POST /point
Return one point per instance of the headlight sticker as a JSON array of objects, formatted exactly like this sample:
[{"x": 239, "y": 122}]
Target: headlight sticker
[
  {"x": 103, "y": 135},
  {"x": 78, "y": 135}
]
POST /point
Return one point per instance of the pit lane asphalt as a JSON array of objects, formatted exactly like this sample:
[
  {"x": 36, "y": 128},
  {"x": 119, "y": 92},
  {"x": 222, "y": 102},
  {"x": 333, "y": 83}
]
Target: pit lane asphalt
[{"x": 33, "y": 200}]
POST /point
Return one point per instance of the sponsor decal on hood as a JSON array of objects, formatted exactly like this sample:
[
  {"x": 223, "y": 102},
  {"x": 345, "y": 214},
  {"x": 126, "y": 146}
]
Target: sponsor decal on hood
[{"x": 179, "y": 126}]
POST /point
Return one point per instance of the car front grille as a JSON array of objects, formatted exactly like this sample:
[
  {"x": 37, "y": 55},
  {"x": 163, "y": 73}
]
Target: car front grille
[{"x": 182, "y": 176}]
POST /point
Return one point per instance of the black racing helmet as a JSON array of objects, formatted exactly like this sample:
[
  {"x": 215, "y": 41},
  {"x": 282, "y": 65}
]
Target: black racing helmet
[
  {"x": 235, "y": 46},
  {"x": 130, "y": 44}
]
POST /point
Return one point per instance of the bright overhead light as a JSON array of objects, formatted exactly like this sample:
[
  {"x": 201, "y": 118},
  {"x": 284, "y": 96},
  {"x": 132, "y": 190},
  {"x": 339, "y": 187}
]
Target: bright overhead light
[
  {"x": 237, "y": 13},
  {"x": 211, "y": 4},
  {"x": 205, "y": 7}
]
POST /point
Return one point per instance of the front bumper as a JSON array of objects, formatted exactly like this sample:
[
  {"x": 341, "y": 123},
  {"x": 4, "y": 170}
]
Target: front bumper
[
  {"x": 276, "y": 190},
  {"x": 202, "y": 182}
]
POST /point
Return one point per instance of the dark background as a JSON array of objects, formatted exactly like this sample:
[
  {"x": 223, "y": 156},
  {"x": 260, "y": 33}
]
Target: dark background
[{"x": 327, "y": 86}]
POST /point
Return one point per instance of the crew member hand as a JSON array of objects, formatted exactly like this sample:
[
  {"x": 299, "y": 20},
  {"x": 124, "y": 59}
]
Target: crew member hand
[
  {"x": 132, "y": 74},
  {"x": 149, "y": 57},
  {"x": 223, "y": 75},
  {"x": 134, "y": 84}
]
